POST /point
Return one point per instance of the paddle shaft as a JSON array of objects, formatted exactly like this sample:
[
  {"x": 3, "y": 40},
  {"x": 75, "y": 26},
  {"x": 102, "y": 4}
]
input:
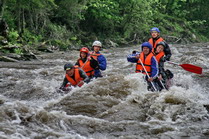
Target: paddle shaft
[
  {"x": 84, "y": 64},
  {"x": 163, "y": 85},
  {"x": 147, "y": 74}
]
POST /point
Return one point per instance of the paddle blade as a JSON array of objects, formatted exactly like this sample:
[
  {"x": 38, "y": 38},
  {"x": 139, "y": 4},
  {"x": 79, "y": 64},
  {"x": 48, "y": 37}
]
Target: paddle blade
[{"x": 192, "y": 68}]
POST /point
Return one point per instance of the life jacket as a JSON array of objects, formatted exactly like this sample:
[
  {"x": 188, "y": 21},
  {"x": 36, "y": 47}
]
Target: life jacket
[
  {"x": 94, "y": 55},
  {"x": 155, "y": 43},
  {"x": 77, "y": 77},
  {"x": 86, "y": 67},
  {"x": 146, "y": 62},
  {"x": 159, "y": 55}
]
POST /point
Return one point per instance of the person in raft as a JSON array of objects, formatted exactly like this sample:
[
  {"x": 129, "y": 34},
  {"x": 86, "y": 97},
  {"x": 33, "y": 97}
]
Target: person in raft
[
  {"x": 96, "y": 46},
  {"x": 155, "y": 39},
  {"x": 87, "y": 62},
  {"x": 74, "y": 77},
  {"x": 146, "y": 64}
]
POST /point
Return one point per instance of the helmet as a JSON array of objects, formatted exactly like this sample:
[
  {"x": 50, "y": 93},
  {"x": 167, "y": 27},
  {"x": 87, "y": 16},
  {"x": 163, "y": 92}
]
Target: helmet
[
  {"x": 97, "y": 43},
  {"x": 155, "y": 29},
  {"x": 161, "y": 43},
  {"x": 68, "y": 66},
  {"x": 85, "y": 50},
  {"x": 147, "y": 44}
]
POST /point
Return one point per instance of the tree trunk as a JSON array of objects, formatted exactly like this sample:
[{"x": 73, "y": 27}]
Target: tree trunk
[
  {"x": 2, "y": 5},
  {"x": 19, "y": 17},
  {"x": 23, "y": 21}
]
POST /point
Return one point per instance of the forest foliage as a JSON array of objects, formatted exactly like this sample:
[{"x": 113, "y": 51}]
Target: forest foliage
[{"x": 67, "y": 23}]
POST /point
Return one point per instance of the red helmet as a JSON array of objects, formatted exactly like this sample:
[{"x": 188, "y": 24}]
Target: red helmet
[{"x": 85, "y": 50}]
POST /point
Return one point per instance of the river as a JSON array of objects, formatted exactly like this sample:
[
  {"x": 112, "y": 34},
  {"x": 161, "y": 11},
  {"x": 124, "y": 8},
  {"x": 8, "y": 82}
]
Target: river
[{"x": 115, "y": 106}]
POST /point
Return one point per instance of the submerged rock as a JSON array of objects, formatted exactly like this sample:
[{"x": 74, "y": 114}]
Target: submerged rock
[{"x": 206, "y": 107}]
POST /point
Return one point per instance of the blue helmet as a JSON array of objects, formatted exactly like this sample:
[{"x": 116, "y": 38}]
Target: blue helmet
[
  {"x": 155, "y": 29},
  {"x": 147, "y": 44}
]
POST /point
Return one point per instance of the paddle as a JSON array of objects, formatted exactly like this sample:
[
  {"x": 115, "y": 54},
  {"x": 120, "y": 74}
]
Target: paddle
[
  {"x": 84, "y": 63},
  {"x": 163, "y": 85},
  {"x": 189, "y": 67},
  {"x": 87, "y": 59},
  {"x": 147, "y": 74}
]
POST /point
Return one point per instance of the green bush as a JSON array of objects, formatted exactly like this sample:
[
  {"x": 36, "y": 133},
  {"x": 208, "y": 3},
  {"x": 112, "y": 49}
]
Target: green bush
[
  {"x": 18, "y": 51},
  {"x": 59, "y": 43},
  {"x": 13, "y": 36},
  {"x": 31, "y": 38}
]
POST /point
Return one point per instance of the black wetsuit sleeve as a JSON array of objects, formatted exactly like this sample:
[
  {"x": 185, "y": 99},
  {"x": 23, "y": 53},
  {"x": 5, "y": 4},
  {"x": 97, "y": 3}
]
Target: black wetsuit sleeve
[
  {"x": 161, "y": 66},
  {"x": 83, "y": 75},
  {"x": 77, "y": 63},
  {"x": 94, "y": 63},
  {"x": 64, "y": 83},
  {"x": 167, "y": 52}
]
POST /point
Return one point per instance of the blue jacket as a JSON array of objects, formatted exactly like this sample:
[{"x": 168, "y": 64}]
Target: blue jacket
[
  {"x": 154, "y": 64},
  {"x": 102, "y": 65}
]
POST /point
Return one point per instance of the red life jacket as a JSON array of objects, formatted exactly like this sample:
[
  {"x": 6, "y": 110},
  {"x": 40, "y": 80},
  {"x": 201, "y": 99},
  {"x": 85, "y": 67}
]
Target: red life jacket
[
  {"x": 159, "y": 55},
  {"x": 146, "y": 62},
  {"x": 86, "y": 67},
  {"x": 77, "y": 77},
  {"x": 155, "y": 43}
]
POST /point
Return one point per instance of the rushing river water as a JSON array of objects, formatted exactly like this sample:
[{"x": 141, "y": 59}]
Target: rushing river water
[{"x": 115, "y": 106}]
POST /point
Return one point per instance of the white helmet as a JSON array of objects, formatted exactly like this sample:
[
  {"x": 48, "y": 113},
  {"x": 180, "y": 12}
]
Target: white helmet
[{"x": 97, "y": 43}]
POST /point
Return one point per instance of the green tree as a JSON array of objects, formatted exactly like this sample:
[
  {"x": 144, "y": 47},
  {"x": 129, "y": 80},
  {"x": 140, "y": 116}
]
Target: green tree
[{"x": 101, "y": 17}]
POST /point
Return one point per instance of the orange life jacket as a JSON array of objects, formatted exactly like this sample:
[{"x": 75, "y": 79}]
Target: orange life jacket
[
  {"x": 155, "y": 43},
  {"x": 77, "y": 76},
  {"x": 86, "y": 67},
  {"x": 94, "y": 55},
  {"x": 146, "y": 62},
  {"x": 159, "y": 55}
]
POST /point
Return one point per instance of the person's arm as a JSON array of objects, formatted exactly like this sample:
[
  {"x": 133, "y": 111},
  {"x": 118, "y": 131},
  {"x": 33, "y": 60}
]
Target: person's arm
[
  {"x": 64, "y": 83},
  {"x": 154, "y": 67},
  {"x": 102, "y": 62},
  {"x": 167, "y": 52},
  {"x": 94, "y": 63},
  {"x": 77, "y": 63},
  {"x": 132, "y": 58},
  {"x": 83, "y": 75},
  {"x": 161, "y": 66}
]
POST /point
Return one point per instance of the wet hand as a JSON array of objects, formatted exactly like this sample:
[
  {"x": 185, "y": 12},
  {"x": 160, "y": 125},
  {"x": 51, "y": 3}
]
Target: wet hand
[
  {"x": 65, "y": 88},
  {"x": 80, "y": 83},
  {"x": 150, "y": 79},
  {"x": 160, "y": 77},
  {"x": 137, "y": 56},
  {"x": 89, "y": 58}
]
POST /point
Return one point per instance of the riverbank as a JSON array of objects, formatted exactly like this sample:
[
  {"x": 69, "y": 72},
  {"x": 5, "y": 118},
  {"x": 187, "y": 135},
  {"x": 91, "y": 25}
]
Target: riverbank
[{"x": 15, "y": 53}]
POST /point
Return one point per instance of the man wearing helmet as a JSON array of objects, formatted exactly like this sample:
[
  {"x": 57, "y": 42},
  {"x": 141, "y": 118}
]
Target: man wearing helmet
[
  {"x": 97, "y": 45},
  {"x": 86, "y": 62},
  {"x": 155, "y": 39},
  {"x": 146, "y": 64},
  {"x": 74, "y": 76}
]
